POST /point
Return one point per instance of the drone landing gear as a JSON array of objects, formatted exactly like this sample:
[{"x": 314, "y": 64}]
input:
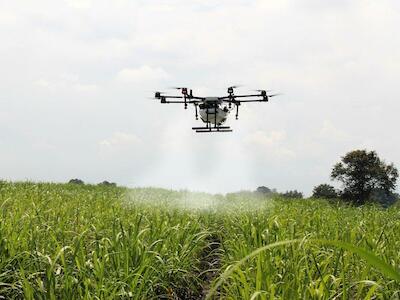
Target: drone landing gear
[{"x": 213, "y": 129}]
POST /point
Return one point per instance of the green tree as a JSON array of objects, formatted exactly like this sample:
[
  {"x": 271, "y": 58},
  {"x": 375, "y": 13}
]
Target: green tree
[
  {"x": 263, "y": 190},
  {"x": 76, "y": 181},
  {"x": 362, "y": 172},
  {"x": 107, "y": 183},
  {"x": 292, "y": 195},
  {"x": 324, "y": 191}
]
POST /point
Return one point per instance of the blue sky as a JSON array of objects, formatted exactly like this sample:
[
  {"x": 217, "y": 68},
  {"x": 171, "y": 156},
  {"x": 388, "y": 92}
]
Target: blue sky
[{"x": 75, "y": 77}]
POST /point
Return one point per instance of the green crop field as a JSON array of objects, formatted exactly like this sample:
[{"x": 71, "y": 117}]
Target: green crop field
[{"x": 65, "y": 241}]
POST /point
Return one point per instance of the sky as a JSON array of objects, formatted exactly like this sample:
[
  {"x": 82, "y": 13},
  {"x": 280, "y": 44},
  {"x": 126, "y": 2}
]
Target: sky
[{"x": 76, "y": 77}]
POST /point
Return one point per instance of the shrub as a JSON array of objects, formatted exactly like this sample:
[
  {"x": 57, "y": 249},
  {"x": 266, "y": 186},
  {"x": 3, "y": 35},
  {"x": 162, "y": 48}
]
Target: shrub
[
  {"x": 76, "y": 181},
  {"x": 292, "y": 195},
  {"x": 382, "y": 197},
  {"x": 324, "y": 191},
  {"x": 263, "y": 190},
  {"x": 107, "y": 183}
]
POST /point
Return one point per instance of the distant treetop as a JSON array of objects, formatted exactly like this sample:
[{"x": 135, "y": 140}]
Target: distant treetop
[
  {"x": 263, "y": 190},
  {"x": 361, "y": 173},
  {"x": 107, "y": 183},
  {"x": 292, "y": 194},
  {"x": 76, "y": 181},
  {"x": 324, "y": 191}
]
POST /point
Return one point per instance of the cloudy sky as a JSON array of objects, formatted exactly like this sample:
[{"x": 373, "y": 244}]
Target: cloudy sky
[{"x": 75, "y": 77}]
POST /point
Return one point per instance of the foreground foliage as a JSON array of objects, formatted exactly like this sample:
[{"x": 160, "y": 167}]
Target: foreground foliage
[{"x": 80, "y": 241}]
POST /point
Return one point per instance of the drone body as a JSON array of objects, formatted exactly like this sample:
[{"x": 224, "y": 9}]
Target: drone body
[{"x": 213, "y": 111}]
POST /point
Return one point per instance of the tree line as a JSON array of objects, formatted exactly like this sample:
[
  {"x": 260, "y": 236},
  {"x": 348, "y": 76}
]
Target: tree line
[
  {"x": 364, "y": 178},
  {"x": 81, "y": 182}
]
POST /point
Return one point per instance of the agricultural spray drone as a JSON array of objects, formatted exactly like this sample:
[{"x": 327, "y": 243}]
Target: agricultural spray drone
[{"x": 213, "y": 110}]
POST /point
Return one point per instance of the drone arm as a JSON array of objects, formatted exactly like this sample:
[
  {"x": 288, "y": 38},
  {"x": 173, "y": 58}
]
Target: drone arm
[
  {"x": 225, "y": 97},
  {"x": 173, "y": 97},
  {"x": 173, "y": 102},
  {"x": 197, "y": 98},
  {"x": 165, "y": 101},
  {"x": 182, "y": 102},
  {"x": 233, "y": 101},
  {"x": 253, "y": 100},
  {"x": 232, "y": 97},
  {"x": 189, "y": 98},
  {"x": 263, "y": 99},
  {"x": 245, "y": 96}
]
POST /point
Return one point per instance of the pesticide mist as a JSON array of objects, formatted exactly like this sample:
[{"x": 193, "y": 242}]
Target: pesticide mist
[{"x": 198, "y": 201}]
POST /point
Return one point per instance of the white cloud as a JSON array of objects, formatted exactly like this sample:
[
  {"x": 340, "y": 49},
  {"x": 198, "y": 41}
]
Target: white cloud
[
  {"x": 80, "y": 4},
  {"x": 86, "y": 88},
  {"x": 7, "y": 18},
  {"x": 64, "y": 82},
  {"x": 265, "y": 139},
  {"x": 120, "y": 140},
  {"x": 43, "y": 83},
  {"x": 329, "y": 131},
  {"x": 143, "y": 74},
  {"x": 270, "y": 144}
]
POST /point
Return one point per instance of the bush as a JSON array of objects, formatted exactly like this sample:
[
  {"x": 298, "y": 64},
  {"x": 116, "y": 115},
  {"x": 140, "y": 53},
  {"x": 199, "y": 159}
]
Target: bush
[
  {"x": 324, "y": 191},
  {"x": 383, "y": 197},
  {"x": 76, "y": 181},
  {"x": 263, "y": 190},
  {"x": 107, "y": 183},
  {"x": 292, "y": 195}
]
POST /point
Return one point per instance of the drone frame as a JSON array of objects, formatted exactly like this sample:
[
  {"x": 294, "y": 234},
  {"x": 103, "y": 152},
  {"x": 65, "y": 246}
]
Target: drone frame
[{"x": 232, "y": 99}]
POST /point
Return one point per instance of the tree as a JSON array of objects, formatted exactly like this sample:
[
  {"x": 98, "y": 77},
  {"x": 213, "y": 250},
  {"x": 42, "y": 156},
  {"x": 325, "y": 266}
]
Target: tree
[
  {"x": 292, "y": 195},
  {"x": 362, "y": 172},
  {"x": 107, "y": 183},
  {"x": 382, "y": 197},
  {"x": 76, "y": 181},
  {"x": 324, "y": 191},
  {"x": 263, "y": 190}
]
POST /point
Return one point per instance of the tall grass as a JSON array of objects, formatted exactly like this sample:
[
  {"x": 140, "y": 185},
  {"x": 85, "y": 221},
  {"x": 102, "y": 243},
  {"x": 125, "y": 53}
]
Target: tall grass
[
  {"x": 62, "y": 241},
  {"x": 312, "y": 268}
]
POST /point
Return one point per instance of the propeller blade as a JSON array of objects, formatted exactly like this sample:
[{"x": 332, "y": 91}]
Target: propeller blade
[
  {"x": 235, "y": 86},
  {"x": 273, "y": 95}
]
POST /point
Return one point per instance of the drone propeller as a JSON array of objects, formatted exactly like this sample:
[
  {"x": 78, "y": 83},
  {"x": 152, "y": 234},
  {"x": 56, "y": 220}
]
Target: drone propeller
[
  {"x": 231, "y": 89},
  {"x": 157, "y": 95},
  {"x": 262, "y": 90},
  {"x": 184, "y": 92},
  {"x": 273, "y": 95},
  {"x": 177, "y": 88}
]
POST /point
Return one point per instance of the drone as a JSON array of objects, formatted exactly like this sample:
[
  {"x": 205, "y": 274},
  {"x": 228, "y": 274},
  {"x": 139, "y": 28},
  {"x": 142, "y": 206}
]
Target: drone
[{"x": 213, "y": 111}]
